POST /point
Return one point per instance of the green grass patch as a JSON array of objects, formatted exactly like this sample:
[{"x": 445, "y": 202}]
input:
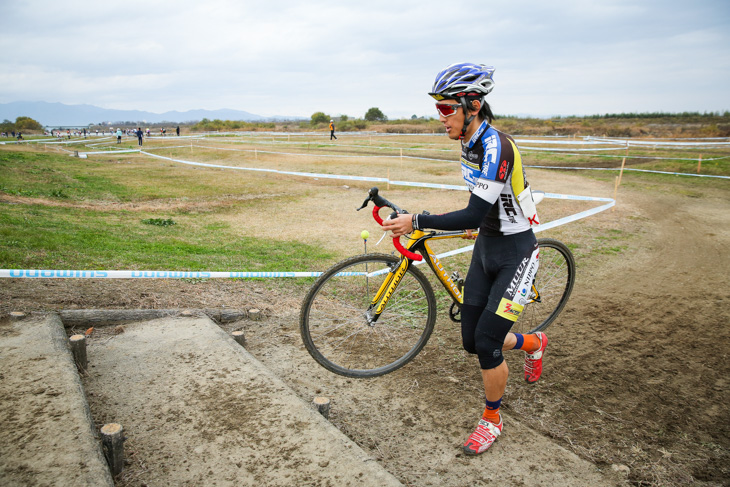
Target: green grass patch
[
  {"x": 103, "y": 233},
  {"x": 41, "y": 237}
]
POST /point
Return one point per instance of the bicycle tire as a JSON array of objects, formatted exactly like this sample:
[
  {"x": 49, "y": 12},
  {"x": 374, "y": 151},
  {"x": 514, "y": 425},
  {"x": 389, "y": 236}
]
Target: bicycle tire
[
  {"x": 336, "y": 332},
  {"x": 554, "y": 281}
]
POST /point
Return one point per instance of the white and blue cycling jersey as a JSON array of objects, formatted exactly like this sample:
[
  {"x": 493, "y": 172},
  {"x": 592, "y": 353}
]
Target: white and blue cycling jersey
[{"x": 492, "y": 169}]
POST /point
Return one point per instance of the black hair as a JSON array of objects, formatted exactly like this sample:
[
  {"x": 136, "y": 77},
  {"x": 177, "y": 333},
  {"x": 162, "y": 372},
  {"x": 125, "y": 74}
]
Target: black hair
[{"x": 485, "y": 111}]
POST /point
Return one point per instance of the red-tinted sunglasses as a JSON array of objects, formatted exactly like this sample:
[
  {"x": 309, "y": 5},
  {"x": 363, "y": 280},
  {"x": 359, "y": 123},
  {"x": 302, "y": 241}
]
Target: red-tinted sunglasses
[{"x": 447, "y": 109}]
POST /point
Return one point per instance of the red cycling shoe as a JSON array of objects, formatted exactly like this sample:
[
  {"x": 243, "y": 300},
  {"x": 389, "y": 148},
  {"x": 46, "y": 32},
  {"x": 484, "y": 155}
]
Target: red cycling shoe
[{"x": 533, "y": 361}]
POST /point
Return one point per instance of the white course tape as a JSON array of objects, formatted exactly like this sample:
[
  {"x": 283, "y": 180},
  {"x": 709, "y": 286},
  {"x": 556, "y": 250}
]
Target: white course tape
[
  {"x": 632, "y": 169},
  {"x": 107, "y": 274},
  {"x": 291, "y": 173},
  {"x": 661, "y": 143}
]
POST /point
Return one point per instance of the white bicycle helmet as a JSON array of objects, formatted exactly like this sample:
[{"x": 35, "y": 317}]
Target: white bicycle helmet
[
  {"x": 463, "y": 79},
  {"x": 465, "y": 82}
]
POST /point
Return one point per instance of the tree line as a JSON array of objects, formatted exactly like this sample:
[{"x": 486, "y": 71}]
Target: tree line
[{"x": 21, "y": 124}]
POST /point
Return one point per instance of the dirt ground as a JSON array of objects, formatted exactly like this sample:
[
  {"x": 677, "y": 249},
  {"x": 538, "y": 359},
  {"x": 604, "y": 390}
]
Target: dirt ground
[{"x": 636, "y": 375}]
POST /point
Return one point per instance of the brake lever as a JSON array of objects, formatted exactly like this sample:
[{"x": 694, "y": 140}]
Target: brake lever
[{"x": 364, "y": 203}]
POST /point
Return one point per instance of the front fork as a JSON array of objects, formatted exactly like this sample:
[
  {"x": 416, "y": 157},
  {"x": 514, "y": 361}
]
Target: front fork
[{"x": 390, "y": 283}]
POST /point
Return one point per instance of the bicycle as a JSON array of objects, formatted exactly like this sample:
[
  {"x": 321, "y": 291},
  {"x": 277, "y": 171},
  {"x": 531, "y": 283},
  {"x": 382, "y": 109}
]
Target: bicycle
[{"x": 371, "y": 314}]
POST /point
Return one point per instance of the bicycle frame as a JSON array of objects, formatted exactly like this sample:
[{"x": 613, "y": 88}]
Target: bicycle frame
[{"x": 418, "y": 241}]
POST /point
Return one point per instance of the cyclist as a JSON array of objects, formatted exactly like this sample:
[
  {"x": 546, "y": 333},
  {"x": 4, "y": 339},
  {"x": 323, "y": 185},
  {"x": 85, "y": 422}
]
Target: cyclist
[{"x": 505, "y": 257}]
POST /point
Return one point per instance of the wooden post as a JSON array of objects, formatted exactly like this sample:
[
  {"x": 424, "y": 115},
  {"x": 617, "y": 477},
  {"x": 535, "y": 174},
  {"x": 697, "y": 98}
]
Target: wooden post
[
  {"x": 240, "y": 338},
  {"x": 699, "y": 164},
  {"x": 78, "y": 348},
  {"x": 254, "y": 314},
  {"x": 322, "y": 404},
  {"x": 112, "y": 443},
  {"x": 621, "y": 173}
]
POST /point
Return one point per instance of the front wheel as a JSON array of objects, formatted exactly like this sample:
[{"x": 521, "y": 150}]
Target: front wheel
[
  {"x": 336, "y": 320},
  {"x": 551, "y": 288}
]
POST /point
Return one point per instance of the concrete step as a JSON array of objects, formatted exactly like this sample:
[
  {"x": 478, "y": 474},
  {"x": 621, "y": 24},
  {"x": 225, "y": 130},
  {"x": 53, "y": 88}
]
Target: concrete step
[
  {"x": 46, "y": 433},
  {"x": 198, "y": 409}
]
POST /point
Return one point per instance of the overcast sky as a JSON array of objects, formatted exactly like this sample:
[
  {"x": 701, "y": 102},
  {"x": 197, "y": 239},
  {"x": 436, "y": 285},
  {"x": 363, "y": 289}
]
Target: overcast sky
[{"x": 294, "y": 57}]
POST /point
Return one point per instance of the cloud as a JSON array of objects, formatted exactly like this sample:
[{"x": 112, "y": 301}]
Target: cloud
[{"x": 285, "y": 57}]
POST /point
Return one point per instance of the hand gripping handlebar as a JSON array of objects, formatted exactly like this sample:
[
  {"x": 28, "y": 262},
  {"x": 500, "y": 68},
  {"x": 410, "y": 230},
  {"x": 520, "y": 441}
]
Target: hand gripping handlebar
[{"x": 379, "y": 203}]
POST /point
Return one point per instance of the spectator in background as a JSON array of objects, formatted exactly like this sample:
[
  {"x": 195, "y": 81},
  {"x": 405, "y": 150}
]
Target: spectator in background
[
  {"x": 177, "y": 131},
  {"x": 139, "y": 136},
  {"x": 332, "y": 130},
  {"x": 119, "y": 136}
]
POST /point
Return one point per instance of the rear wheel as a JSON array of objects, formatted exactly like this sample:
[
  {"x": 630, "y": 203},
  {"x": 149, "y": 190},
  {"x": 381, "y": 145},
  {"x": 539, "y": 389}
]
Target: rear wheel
[
  {"x": 335, "y": 325},
  {"x": 551, "y": 289}
]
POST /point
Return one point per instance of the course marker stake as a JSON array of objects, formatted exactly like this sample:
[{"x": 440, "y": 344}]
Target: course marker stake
[
  {"x": 112, "y": 443},
  {"x": 322, "y": 404},
  {"x": 240, "y": 337},
  {"x": 78, "y": 349}
]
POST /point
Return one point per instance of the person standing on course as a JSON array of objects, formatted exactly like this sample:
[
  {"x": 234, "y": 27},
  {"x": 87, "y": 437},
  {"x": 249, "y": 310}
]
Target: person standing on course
[
  {"x": 177, "y": 130},
  {"x": 505, "y": 257},
  {"x": 140, "y": 134},
  {"x": 119, "y": 136},
  {"x": 332, "y": 130}
]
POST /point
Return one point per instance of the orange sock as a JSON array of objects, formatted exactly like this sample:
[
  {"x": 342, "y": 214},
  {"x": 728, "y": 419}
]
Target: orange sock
[
  {"x": 528, "y": 343},
  {"x": 491, "y": 412}
]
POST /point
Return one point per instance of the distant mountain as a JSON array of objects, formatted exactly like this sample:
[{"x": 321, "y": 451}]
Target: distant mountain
[{"x": 58, "y": 114}]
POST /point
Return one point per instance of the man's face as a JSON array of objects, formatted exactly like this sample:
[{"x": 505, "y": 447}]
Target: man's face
[{"x": 453, "y": 122}]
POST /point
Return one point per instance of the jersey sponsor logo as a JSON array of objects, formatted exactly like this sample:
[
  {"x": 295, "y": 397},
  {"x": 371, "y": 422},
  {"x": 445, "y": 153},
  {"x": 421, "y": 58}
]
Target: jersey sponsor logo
[
  {"x": 509, "y": 309},
  {"x": 523, "y": 296},
  {"x": 490, "y": 150},
  {"x": 531, "y": 273},
  {"x": 509, "y": 207},
  {"x": 487, "y": 190},
  {"x": 503, "y": 170},
  {"x": 518, "y": 277},
  {"x": 469, "y": 175}
]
